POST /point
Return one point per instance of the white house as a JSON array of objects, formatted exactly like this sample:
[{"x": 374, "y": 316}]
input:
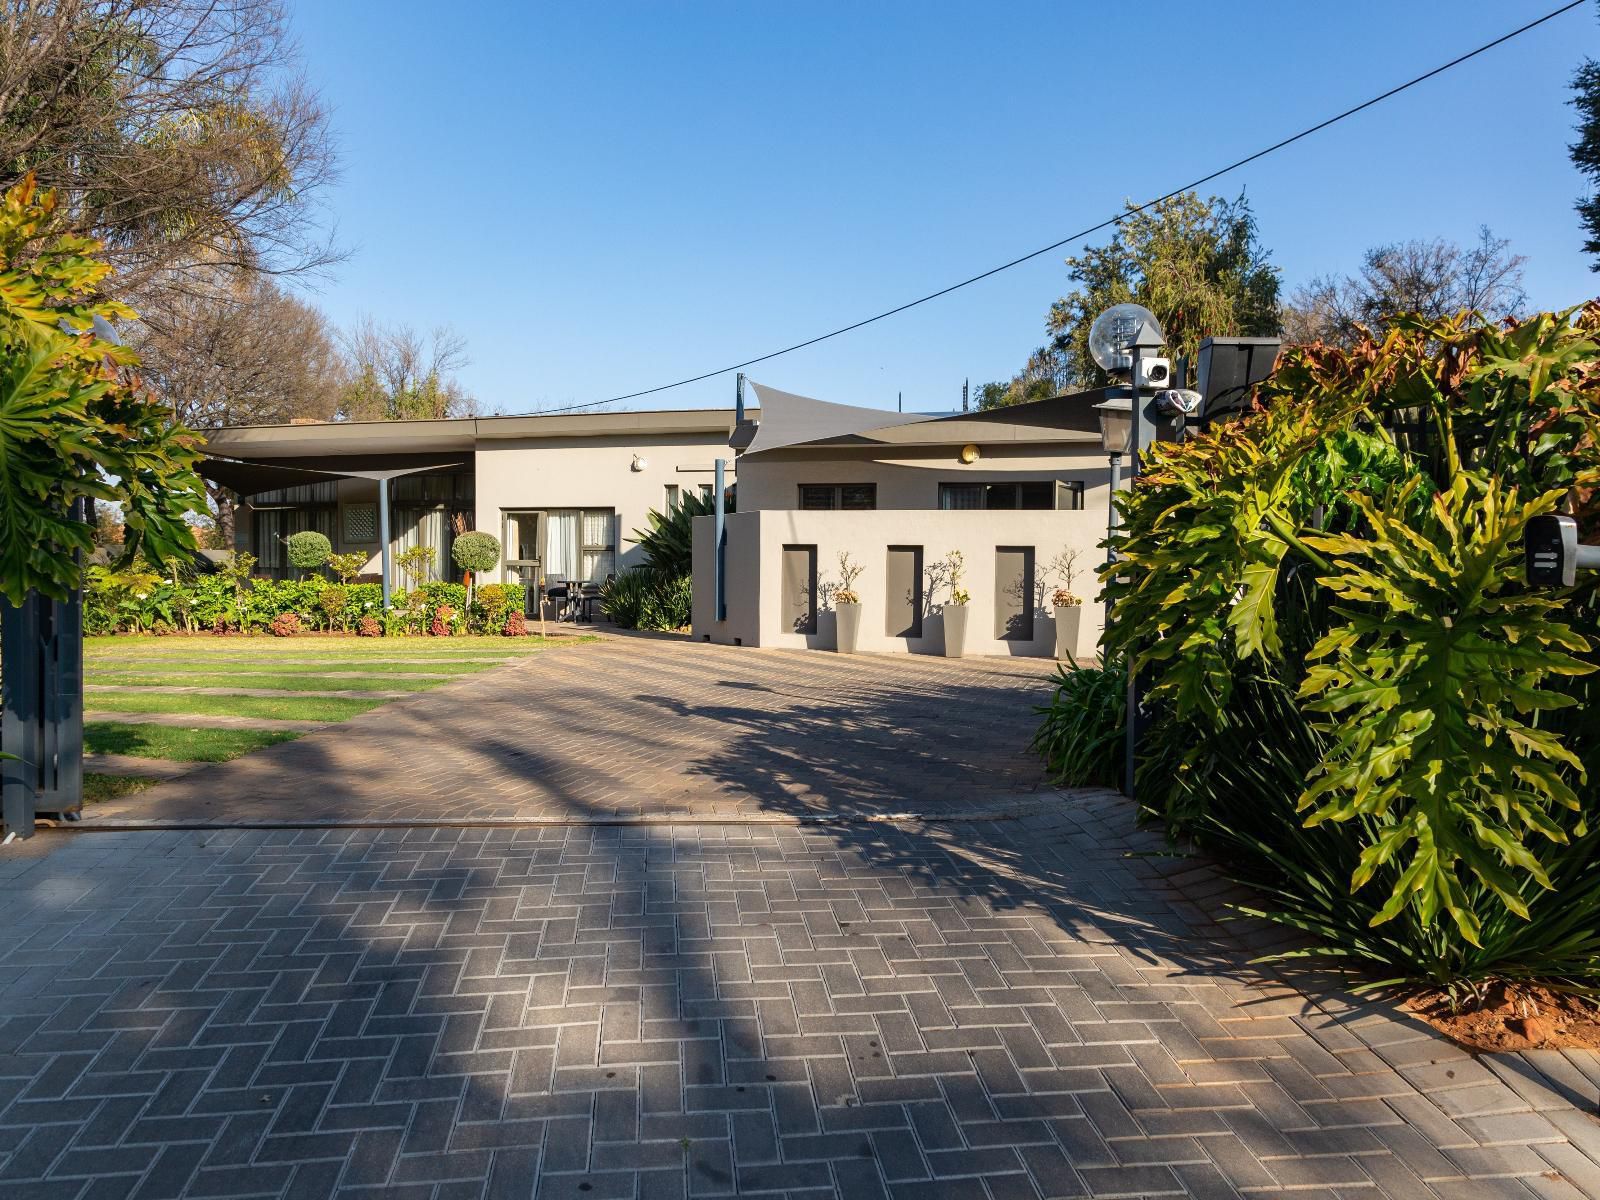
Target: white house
[
  {"x": 1014, "y": 499},
  {"x": 563, "y": 493}
]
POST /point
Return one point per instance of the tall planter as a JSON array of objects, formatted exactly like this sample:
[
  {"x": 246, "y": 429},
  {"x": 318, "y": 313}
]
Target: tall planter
[
  {"x": 1069, "y": 623},
  {"x": 848, "y": 626},
  {"x": 955, "y": 630}
]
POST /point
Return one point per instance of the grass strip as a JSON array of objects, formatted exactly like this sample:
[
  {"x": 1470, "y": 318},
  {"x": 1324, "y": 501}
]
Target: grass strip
[
  {"x": 296, "y": 681},
  {"x": 176, "y": 743},
  {"x": 286, "y": 708},
  {"x": 268, "y": 666},
  {"x": 98, "y": 788}
]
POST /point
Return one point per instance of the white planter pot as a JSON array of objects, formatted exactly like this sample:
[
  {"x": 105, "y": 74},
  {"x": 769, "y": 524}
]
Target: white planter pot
[
  {"x": 955, "y": 630},
  {"x": 1069, "y": 623},
  {"x": 848, "y": 621}
]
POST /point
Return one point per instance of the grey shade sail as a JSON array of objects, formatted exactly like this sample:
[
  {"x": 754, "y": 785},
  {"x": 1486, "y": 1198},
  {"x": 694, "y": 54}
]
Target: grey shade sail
[
  {"x": 252, "y": 478},
  {"x": 791, "y": 420}
]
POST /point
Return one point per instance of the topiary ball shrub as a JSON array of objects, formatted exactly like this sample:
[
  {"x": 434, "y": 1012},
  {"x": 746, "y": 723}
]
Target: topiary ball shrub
[
  {"x": 476, "y": 552},
  {"x": 369, "y": 627},
  {"x": 516, "y": 625},
  {"x": 285, "y": 624},
  {"x": 308, "y": 549}
]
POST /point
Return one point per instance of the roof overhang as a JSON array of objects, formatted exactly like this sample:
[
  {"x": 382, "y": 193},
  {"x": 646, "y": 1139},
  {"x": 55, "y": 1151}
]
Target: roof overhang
[{"x": 458, "y": 435}]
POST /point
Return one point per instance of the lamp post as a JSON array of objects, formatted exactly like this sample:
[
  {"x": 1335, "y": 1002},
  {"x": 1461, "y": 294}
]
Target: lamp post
[{"x": 1116, "y": 432}]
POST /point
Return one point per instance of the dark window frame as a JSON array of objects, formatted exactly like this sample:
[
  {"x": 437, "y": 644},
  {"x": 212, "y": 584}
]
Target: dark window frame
[
  {"x": 836, "y": 497},
  {"x": 1059, "y": 489}
]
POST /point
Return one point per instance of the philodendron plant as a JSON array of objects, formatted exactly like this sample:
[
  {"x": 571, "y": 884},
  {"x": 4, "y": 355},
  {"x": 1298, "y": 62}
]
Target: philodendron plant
[{"x": 1356, "y": 542}]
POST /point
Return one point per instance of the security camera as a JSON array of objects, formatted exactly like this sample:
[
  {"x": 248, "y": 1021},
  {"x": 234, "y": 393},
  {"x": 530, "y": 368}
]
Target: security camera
[
  {"x": 1552, "y": 554},
  {"x": 1152, "y": 372},
  {"x": 1179, "y": 402}
]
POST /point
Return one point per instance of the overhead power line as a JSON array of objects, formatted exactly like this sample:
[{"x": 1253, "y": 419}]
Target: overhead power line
[{"x": 1092, "y": 229}]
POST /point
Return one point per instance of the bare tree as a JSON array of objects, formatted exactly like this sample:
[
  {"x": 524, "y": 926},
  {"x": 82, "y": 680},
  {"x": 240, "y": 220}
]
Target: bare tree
[
  {"x": 239, "y": 353},
  {"x": 1434, "y": 279},
  {"x": 176, "y": 130},
  {"x": 393, "y": 373}
]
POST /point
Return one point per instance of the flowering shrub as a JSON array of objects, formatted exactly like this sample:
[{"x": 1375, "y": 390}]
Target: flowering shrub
[
  {"x": 845, "y": 596},
  {"x": 516, "y": 624},
  {"x": 368, "y": 627},
  {"x": 1065, "y": 599},
  {"x": 285, "y": 624}
]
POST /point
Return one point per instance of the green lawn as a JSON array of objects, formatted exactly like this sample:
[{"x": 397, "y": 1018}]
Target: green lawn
[
  {"x": 286, "y": 708},
  {"x": 133, "y": 666},
  {"x": 97, "y": 788},
  {"x": 177, "y": 742},
  {"x": 299, "y": 679}
]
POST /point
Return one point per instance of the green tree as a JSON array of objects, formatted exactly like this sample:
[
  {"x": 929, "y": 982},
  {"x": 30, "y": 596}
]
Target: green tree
[
  {"x": 1586, "y": 153},
  {"x": 1197, "y": 264},
  {"x": 75, "y": 422}
]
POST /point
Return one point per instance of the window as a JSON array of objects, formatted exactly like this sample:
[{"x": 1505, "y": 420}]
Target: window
[
  {"x": 1036, "y": 494},
  {"x": 707, "y": 490},
  {"x": 360, "y": 522},
  {"x": 305, "y": 493},
  {"x": 580, "y": 543},
  {"x": 671, "y": 497},
  {"x": 452, "y": 489},
  {"x": 824, "y": 497},
  {"x": 273, "y": 525}
]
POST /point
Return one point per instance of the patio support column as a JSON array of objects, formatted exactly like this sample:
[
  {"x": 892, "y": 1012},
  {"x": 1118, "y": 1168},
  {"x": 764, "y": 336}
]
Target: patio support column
[
  {"x": 719, "y": 540},
  {"x": 383, "y": 536}
]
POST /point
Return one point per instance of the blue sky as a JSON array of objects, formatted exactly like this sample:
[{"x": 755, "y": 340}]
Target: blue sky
[{"x": 604, "y": 197}]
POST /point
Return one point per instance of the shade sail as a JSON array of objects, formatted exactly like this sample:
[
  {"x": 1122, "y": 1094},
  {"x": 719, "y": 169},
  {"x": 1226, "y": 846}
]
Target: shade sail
[
  {"x": 791, "y": 420},
  {"x": 252, "y": 478}
]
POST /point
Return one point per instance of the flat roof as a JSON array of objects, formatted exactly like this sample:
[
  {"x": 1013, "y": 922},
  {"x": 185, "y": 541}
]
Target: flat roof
[{"x": 321, "y": 438}]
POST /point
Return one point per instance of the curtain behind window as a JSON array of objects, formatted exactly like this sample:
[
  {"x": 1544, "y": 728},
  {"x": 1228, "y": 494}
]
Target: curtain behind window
[
  {"x": 421, "y": 527},
  {"x": 961, "y": 495},
  {"x": 599, "y": 545},
  {"x": 561, "y": 544}
]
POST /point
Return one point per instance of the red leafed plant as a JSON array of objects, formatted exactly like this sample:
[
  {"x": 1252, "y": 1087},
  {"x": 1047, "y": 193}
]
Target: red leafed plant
[
  {"x": 441, "y": 621},
  {"x": 285, "y": 624},
  {"x": 516, "y": 624},
  {"x": 369, "y": 627}
]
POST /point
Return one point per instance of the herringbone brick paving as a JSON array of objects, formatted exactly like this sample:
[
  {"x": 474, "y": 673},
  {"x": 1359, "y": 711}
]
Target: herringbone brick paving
[{"x": 1042, "y": 1007}]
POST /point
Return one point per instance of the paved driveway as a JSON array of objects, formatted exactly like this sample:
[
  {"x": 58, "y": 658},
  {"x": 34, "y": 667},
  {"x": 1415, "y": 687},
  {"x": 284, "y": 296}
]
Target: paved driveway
[
  {"x": 634, "y": 726},
  {"x": 1042, "y": 1006}
]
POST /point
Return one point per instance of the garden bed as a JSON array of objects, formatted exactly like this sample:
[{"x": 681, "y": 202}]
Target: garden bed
[{"x": 1515, "y": 1018}]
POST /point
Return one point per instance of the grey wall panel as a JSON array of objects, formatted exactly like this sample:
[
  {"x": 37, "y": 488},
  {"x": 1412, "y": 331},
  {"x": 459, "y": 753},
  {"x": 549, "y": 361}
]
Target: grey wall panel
[
  {"x": 903, "y": 595},
  {"x": 799, "y": 584},
  {"x": 1013, "y": 593}
]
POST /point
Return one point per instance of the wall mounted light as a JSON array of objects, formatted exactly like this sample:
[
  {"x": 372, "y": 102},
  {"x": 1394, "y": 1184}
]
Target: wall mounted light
[
  {"x": 969, "y": 454},
  {"x": 639, "y": 463}
]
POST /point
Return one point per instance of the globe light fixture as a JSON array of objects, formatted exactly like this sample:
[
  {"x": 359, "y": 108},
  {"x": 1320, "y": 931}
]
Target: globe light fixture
[
  {"x": 1111, "y": 336},
  {"x": 969, "y": 454}
]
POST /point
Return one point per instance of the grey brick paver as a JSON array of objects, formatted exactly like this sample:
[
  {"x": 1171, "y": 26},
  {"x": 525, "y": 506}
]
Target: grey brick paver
[{"x": 965, "y": 1008}]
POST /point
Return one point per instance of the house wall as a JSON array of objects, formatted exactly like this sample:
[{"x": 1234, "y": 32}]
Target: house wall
[
  {"x": 535, "y": 473},
  {"x": 756, "y": 542},
  {"x": 910, "y": 478}
]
